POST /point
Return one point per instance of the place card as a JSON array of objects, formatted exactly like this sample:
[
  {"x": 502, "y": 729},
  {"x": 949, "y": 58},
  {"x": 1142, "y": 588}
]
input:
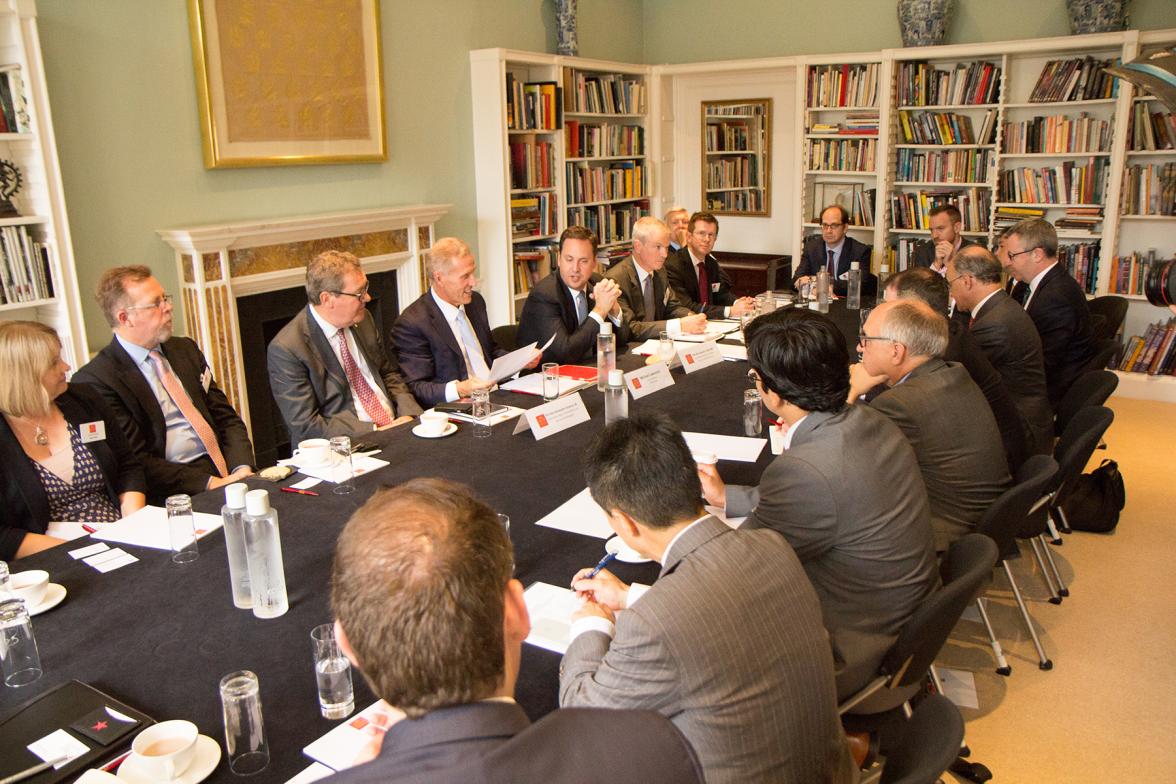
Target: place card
[
  {"x": 554, "y": 417},
  {"x": 700, "y": 356},
  {"x": 648, "y": 380}
]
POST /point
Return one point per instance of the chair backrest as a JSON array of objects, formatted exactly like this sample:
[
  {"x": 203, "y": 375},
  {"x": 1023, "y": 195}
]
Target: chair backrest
[
  {"x": 1113, "y": 310},
  {"x": 1103, "y": 351},
  {"x": 930, "y": 743},
  {"x": 1006, "y": 516},
  {"x": 1077, "y": 444},
  {"x": 506, "y": 336},
  {"x": 968, "y": 564},
  {"x": 1092, "y": 388}
]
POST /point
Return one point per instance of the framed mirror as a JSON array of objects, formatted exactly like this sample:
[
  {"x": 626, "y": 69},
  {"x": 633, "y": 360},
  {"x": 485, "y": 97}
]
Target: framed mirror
[{"x": 736, "y": 157}]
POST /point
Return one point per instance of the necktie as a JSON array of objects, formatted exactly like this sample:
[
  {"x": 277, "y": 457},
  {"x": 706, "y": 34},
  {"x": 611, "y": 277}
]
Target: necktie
[
  {"x": 647, "y": 293},
  {"x": 475, "y": 361},
  {"x": 703, "y": 285},
  {"x": 581, "y": 307},
  {"x": 176, "y": 391},
  {"x": 359, "y": 386},
  {"x": 831, "y": 268}
]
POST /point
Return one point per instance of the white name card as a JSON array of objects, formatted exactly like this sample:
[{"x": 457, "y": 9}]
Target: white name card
[
  {"x": 551, "y": 418},
  {"x": 697, "y": 357},
  {"x": 648, "y": 380}
]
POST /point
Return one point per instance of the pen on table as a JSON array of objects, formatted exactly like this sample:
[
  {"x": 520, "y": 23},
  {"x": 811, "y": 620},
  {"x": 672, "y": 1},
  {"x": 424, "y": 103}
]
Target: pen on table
[
  {"x": 29, "y": 772},
  {"x": 114, "y": 763},
  {"x": 89, "y": 529},
  {"x": 603, "y": 562},
  {"x": 297, "y": 490}
]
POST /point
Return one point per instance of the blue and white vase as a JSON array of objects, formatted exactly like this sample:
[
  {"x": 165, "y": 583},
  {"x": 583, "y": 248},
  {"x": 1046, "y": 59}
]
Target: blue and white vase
[
  {"x": 1097, "y": 16},
  {"x": 565, "y": 19},
  {"x": 923, "y": 22}
]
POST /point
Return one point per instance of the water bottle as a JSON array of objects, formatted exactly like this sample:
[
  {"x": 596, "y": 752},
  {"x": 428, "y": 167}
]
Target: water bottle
[
  {"x": 883, "y": 274},
  {"x": 823, "y": 291},
  {"x": 616, "y": 397},
  {"x": 263, "y": 551},
  {"x": 233, "y": 515},
  {"x": 854, "y": 288},
  {"x": 606, "y": 354}
]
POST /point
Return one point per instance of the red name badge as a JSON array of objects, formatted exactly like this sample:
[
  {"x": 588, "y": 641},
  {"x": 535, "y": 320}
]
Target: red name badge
[
  {"x": 636, "y": 383},
  {"x": 541, "y": 420},
  {"x": 689, "y": 359}
]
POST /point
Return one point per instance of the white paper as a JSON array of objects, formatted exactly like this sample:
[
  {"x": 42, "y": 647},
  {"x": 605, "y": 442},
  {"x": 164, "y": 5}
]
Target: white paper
[
  {"x": 579, "y": 515},
  {"x": 316, "y": 771},
  {"x": 556, "y": 416},
  {"x": 730, "y": 352},
  {"x": 148, "y": 527},
  {"x": 714, "y": 331},
  {"x": 109, "y": 560},
  {"x": 85, "y": 552},
  {"x": 509, "y": 364},
  {"x": 336, "y": 470},
  {"x": 532, "y": 384},
  {"x": 551, "y": 608},
  {"x": 498, "y": 413},
  {"x": 959, "y": 686},
  {"x": 731, "y": 522},
  {"x": 307, "y": 483},
  {"x": 653, "y": 346},
  {"x": 56, "y": 744},
  {"x": 339, "y": 748},
  {"x": 698, "y": 357},
  {"x": 649, "y": 379},
  {"x": 68, "y": 531},
  {"x": 740, "y": 448}
]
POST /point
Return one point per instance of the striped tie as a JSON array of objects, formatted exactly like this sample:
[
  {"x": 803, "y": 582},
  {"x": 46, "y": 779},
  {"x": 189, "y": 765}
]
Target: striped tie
[{"x": 180, "y": 397}]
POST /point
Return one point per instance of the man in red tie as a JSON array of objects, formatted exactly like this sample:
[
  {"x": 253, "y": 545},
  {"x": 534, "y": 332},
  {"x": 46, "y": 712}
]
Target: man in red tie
[
  {"x": 162, "y": 393},
  {"x": 696, "y": 276},
  {"x": 328, "y": 368}
]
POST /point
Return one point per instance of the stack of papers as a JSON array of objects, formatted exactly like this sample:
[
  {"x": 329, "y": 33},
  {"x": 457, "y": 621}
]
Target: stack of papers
[
  {"x": 579, "y": 515},
  {"x": 532, "y": 384},
  {"x": 336, "y": 470},
  {"x": 148, "y": 527}
]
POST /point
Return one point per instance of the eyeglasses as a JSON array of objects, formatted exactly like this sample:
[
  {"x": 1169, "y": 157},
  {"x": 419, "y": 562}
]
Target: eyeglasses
[
  {"x": 357, "y": 294},
  {"x": 1018, "y": 253},
  {"x": 863, "y": 338},
  {"x": 753, "y": 377},
  {"x": 957, "y": 277},
  {"x": 706, "y": 235},
  {"x": 829, "y": 226},
  {"x": 166, "y": 299}
]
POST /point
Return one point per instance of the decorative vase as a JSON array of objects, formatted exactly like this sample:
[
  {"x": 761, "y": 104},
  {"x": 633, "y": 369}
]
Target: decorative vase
[
  {"x": 923, "y": 22},
  {"x": 1097, "y": 16},
  {"x": 565, "y": 19}
]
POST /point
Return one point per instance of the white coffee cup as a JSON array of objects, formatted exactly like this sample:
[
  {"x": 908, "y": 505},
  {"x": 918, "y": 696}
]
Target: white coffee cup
[
  {"x": 30, "y": 586},
  {"x": 165, "y": 750},
  {"x": 433, "y": 423},
  {"x": 313, "y": 452},
  {"x": 705, "y": 458}
]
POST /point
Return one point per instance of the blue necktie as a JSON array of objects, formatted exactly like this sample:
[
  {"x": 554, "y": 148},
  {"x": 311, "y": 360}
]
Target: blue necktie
[{"x": 475, "y": 362}]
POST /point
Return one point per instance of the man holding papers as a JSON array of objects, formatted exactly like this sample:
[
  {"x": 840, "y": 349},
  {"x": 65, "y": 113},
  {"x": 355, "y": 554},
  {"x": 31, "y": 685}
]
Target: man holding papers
[
  {"x": 425, "y": 605},
  {"x": 727, "y": 643},
  {"x": 443, "y": 339},
  {"x": 572, "y": 305}
]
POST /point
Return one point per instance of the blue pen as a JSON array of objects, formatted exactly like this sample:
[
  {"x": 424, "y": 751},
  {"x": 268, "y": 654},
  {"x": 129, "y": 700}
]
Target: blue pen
[{"x": 603, "y": 562}]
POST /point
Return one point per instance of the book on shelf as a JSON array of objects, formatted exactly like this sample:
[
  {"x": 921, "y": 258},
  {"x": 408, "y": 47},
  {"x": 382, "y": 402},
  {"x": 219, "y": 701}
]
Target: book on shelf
[
  {"x": 1153, "y": 351},
  {"x": 533, "y": 215},
  {"x": 532, "y": 164},
  {"x": 1149, "y": 189},
  {"x": 971, "y": 165},
  {"x": 736, "y": 201},
  {"x": 1074, "y": 79},
  {"x": 1081, "y": 260},
  {"x": 913, "y": 210},
  {"x": 841, "y": 154},
  {"x": 901, "y": 253},
  {"x": 25, "y": 268},
  {"x": 1058, "y": 134},
  {"x": 534, "y": 106},
  {"x": 921, "y": 84},
  {"x": 732, "y": 173},
  {"x": 532, "y": 263},
  {"x": 1080, "y": 219},
  {"x": 1129, "y": 273},
  {"x": 854, "y": 197},
  {"x": 594, "y": 140},
  {"x": 1007, "y": 215},
  {"x": 921, "y": 127},
  {"x": 730, "y": 136},
  {"x": 604, "y": 93},
  {"x": 14, "y": 110},
  {"x": 1067, "y": 182},
  {"x": 832, "y": 86},
  {"x": 614, "y": 180},
  {"x": 1151, "y": 130},
  {"x": 612, "y": 223},
  {"x": 606, "y": 257}
]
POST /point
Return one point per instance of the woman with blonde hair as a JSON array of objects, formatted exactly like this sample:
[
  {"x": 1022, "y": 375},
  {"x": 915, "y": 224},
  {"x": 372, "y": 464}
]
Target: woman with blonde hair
[{"x": 62, "y": 455}]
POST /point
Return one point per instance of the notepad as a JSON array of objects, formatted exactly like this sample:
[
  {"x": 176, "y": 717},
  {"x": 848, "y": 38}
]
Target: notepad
[
  {"x": 739, "y": 448},
  {"x": 148, "y": 527},
  {"x": 551, "y": 608}
]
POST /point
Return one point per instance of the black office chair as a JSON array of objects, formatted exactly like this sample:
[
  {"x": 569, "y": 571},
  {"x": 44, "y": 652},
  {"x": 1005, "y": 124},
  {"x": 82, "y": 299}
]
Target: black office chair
[
  {"x": 931, "y": 741},
  {"x": 1090, "y": 389},
  {"x": 506, "y": 336},
  {"x": 1104, "y": 350},
  {"x": 1113, "y": 310}
]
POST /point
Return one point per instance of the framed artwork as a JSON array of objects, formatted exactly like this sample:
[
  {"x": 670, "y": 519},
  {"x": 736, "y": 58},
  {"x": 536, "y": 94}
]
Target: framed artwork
[
  {"x": 827, "y": 193},
  {"x": 288, "y": 82}
]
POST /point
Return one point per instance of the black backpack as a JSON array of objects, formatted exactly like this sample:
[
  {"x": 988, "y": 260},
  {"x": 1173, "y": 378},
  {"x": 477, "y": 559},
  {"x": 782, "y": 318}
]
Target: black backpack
[{"x": 1096, "y": 499}]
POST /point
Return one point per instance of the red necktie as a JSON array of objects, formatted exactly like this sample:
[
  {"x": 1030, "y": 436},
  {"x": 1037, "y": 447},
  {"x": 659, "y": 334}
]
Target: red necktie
[
  {"x": 180, "y": 397},
  {"x": 703, "y": 285},
  {"x": 363, "y": 392}
]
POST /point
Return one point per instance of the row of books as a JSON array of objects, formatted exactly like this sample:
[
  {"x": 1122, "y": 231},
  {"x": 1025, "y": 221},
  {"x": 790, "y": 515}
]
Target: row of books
[
  {"x": 749, "y": 110},
  {"x": 855, "y": 124},
  {"x": 1129, "y": 273},
  {"x": 533, "y": 216},
  {"x": 24, "y": 267},
  {"x": 922, "y": 84},
  {"x": 735, "y": 201},
  {"x": 1151, "y": 131},
  {"x": 605, "y": 93},
  {"x": 1080, "y": 219},
  {"x": 1154, "y": 352},
  {"x": 945, "y": 128},
  {"x": 588, "y": 140},
  {"x": 1068, "y": 182},
  {"x": 1058, "y": 133},
  {"x": 900, "y": 255},
  {"x": 843, "y": 85},
  {"x": 612, "y": 223},
  {"x": 532, "y": 263},
  {"x": 913, "y": 210},
  {"x": 842, "y": 154},
  {"x": 944, "y": 165},
  {"x": 853, "y": 196},
  {"x": 1149, "y": 189},
  {"x": 732, "y": 137},
  {"x": 1081, "y": 259},
  {"x": 618, "y": 180},
  {"x": 1074, "y": 79},
  {"x": 608, "y": 256},
  {"x": 532, "y": 165},
  {"x": 14, "y": 110},
  {"x": 533, "y": 105},
  {"x": 738, "y": 172},
  {"x": 1007, "y": 215}
]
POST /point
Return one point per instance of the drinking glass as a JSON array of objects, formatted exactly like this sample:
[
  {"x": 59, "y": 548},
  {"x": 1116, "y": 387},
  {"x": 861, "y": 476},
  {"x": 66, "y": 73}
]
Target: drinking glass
[
  {"x": 332, "y": 671},
  {"x": 5, "y": 588},
  {"x": 665, "y": 347},
  {"x": 480, "y": 411},
  {"x": 181, "y": 529},
  {"x": 753, "y": 417},
  {"x": 244, "y": 731},
  {"x": 341, "y": 448},
  {"x": 550, "y": 380},
  {"x": 505, "y": 520},
  {"x": 19, "y": 660}
]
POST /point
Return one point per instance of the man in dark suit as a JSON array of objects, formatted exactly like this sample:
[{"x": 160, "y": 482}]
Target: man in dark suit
[
  {"x": 846, "y": 492},
  {"x": 946, "y": 239},
  {"x": 162, "y": 394},
  {"x": 677, "y": 218},
  {"x": 571, "y": 305},
  {"x": 443, "y": 339},
  {"x": 941, "y": 412},
  {"x": 328, "y": 369},
  {"x": 1055, "y": 302},
  {"x": 1006, "y": 335},
  {"x": 835, "y": 252},
  {"x": 426, "y": 608},
  {"x": 696, "y": 277},
  {"x": 648, "y": 303},
  {"x": 728, "y": 643}
]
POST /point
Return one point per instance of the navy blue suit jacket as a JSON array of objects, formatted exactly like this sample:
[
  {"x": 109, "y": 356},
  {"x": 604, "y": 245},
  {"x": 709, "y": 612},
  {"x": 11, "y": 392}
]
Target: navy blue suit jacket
[{"x": 815, "y": 255}]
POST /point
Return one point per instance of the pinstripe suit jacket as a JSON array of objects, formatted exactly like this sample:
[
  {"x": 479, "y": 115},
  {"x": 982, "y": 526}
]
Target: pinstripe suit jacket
[{"x": 728, "y": 644}]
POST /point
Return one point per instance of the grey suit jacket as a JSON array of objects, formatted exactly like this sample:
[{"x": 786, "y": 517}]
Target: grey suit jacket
[
  {"x": 642, "y": 325},
  {"x": 1009, "y": 339},
  {"x": 728, "y": 644},
  {"x": 309, "y": 384},
  {"x": 849, "y": 498},
  {"x": 944, "y": 415}
]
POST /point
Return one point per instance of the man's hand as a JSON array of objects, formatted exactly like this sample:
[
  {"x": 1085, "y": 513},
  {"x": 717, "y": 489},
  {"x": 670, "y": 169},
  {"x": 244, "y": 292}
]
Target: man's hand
[
  {"x": 943, "y": 252},
  {"x": 535, "y": 359},
  {"x": 605, "y": 588},
  {"x": 397, "y": 422},
  {"x": 466, "y": 387},
  {"x": 714, "y": 489},
  {"x": 802, "y": 280},
  {"x": 694, "y": 324},
  {"x": 861, "y": 382},
  {"x": 741, "y": 306},
  {"x": 220, "y": 481},
  {"x": 606, "y": 293},
  {"x": 594, "y": 610}
]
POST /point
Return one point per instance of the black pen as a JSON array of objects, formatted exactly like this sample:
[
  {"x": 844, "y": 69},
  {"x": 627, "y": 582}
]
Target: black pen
[{"x": 603, "y": 562}]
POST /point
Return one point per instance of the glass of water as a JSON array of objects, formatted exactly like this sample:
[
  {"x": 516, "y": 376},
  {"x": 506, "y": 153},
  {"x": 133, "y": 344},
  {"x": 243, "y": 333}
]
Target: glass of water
[
  {"x": 550, "y": 380},
  {"x": 332, "y": 671},
  {"x": 753, "y": 417},
  {"x": 181, "y": 529},
  {"x": 480, "y": 411},
  {"x": 341, "y": 451}
]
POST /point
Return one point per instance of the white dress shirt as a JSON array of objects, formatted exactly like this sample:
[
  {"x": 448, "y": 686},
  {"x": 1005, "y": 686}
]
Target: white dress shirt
[
  {"x": 332, "y": 333},
  {"x": 451, "y": 314}
]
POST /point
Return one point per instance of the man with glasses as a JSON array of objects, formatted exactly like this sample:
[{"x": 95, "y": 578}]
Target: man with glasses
[
  {"x": 329, "y": 372},
  {"x": 834, "y": 252},
  {"x": 161, "y": 391},
  {"x": 695, "y": 274}
]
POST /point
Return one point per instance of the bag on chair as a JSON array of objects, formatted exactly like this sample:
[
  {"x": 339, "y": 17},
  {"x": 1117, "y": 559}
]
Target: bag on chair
[{"x": 1096, "y": 500}]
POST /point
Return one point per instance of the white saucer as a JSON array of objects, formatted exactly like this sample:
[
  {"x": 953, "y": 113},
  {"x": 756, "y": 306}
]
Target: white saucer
[
  {"x": 316, "y": 466},
  {"x": 450, "y": 429},
  {"x": 623, "y": 552},
  {"x": 204, "y": 762},
  {"x": 54, "y": 595}
]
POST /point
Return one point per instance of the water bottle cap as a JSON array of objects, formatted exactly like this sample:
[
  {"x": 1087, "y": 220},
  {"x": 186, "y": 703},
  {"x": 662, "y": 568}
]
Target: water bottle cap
[
  {"x": 606, "y": 328},
  {"x": 235, "y": 495},
  {"x": 616, "y": 378},
  {"x": 854, "y": 265},
  {"x": 257, "y": 503}
]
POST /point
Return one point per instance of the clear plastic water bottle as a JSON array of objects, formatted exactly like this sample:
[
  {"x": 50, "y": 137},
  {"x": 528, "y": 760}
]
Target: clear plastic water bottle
[
  {"x": 606, "y": 354},
  {"x": 823, "y": 291},
  {"x": 854, "y": 287},
  {"x": 263, "y": 551},
  {"x": 883, "y": 274},
  {"x": 616, "y": 397},
  {"x": 233, "y": 515}
]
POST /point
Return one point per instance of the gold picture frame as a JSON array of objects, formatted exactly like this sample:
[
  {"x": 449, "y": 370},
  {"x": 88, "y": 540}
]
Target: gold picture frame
[{"x": 283, "y": 84}]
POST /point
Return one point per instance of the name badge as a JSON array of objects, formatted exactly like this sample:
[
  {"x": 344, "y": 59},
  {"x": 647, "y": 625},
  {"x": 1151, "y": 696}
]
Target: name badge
[
  {"x": 697, "y": 357},
  {"x": 648, "y": 380},
  {"x": 554, "y": 417},
  {"x": 715, "y": 287},
  {"x": 93, "y": 431},
  {"x": 206, "y": 378}
]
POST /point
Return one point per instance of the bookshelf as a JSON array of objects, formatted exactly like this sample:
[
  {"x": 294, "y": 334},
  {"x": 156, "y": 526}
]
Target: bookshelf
[
  {"x": 37, "y": 270},
  {"x": 736, "y": 157}
]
